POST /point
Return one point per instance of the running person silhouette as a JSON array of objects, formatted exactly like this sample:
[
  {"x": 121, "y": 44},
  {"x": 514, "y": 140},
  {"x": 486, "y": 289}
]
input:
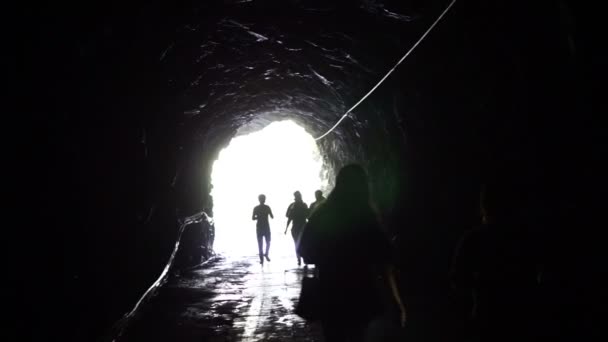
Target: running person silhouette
[{"x": 261, "y": 213}]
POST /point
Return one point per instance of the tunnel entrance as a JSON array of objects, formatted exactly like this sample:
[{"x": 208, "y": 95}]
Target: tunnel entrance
[{"x": 276, "y": 161}]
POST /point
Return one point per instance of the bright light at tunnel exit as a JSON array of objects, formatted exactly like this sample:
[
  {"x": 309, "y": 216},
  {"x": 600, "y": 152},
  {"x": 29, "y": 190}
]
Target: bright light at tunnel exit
[{"x": 275, "y": 161}]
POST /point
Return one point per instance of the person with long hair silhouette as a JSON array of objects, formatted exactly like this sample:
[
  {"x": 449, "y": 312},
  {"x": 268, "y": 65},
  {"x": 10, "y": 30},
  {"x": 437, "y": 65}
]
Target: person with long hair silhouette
[{"x": 344, "y": 241}]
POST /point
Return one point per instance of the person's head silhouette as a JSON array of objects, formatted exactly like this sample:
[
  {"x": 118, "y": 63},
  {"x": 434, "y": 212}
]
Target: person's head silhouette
[
  {"x": 262, "y": 199},
  {"x": 297, "y": 196},
  {"x": 351, "y": 186},
  {"x": 319, "y": 195}
]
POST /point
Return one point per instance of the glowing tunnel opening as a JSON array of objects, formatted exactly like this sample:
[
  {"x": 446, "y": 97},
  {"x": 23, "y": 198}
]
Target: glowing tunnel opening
[{"x": 275, "y": 161}]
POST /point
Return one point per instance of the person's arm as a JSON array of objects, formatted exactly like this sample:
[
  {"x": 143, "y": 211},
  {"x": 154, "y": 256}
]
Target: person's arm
[
  {"x": 254, "y": 216},
  {"x": 288, "y": 214},
  {"x": 287, "y": 226},
  {"x": 392, "y": 283},
  {"x": 270, "y": 213},
  {"x": 381, "y": 249}
]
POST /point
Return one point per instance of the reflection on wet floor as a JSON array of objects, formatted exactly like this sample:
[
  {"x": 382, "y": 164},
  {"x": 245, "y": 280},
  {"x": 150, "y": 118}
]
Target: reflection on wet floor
[{"x": 230, "y": 299}]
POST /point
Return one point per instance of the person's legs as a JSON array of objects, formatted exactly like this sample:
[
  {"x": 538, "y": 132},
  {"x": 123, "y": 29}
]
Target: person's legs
[
  {"x": 260, "y": 237},
  {"x": 295, "y": 234},
  {"x": 267, "y": 236}
]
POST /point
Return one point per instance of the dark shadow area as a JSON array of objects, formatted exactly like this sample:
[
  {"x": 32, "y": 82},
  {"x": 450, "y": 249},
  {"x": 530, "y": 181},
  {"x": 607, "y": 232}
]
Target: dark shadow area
[
  {"x": 122, "y": 109},
  {"x": 497, "y": 270}
]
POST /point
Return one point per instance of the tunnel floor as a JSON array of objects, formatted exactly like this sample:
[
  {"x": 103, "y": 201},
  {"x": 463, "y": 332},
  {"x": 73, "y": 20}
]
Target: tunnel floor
[{"x": 229, "y": 299}]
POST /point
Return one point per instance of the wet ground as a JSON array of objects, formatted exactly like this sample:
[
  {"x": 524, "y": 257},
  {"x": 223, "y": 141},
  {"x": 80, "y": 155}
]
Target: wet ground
[{"x": 228, "y": 299}]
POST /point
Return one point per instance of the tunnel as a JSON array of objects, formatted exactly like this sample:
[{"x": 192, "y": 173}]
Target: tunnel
[{"x": 133, "y": 104}]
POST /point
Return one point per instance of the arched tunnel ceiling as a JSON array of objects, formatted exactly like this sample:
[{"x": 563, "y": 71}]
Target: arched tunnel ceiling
[{"x": 250, "y": 63}]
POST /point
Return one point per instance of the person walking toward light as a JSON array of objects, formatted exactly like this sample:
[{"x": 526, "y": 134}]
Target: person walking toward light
[
  {"x": 318, "y": 200},
  {"x": 260, "y": 214},
  {"x": 297, "y": 213}
]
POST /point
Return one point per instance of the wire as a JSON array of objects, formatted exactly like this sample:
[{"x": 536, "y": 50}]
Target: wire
[{"x": 390, "y": 71}]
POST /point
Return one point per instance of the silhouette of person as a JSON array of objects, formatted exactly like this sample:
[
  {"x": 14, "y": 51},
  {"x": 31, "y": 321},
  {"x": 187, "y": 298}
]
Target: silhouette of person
[
  {"x": 318, "y": 200},
  {"x": 343, "y": 239},
  {"x": 297, "y": 212},
  {"x": 261, "y": 213},
  {"x": 496, "y": 270}
]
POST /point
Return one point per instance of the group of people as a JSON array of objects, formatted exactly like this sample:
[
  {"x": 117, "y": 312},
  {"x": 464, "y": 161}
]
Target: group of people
[
  {"x": 341, "y": 236},
  {"x": 297, "y": 215},
  {"x": 494, "y": 268}
]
